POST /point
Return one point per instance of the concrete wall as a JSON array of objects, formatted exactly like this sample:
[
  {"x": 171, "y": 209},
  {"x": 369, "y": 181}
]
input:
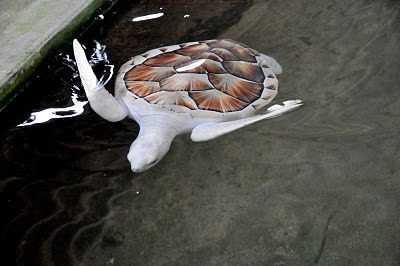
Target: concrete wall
[{"x": 31, "y": 30}]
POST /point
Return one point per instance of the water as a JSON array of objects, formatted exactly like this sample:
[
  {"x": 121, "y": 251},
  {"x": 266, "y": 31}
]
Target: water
[{"x": 319, "y": 185}]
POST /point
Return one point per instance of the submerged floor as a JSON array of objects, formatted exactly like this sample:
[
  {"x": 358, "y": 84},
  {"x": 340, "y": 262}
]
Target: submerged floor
[{"x": 319, "y": 185}]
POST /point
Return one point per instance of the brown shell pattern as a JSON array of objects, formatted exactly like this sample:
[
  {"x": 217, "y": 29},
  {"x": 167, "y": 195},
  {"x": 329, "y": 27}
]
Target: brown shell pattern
[{"x": 217, "y": 75}]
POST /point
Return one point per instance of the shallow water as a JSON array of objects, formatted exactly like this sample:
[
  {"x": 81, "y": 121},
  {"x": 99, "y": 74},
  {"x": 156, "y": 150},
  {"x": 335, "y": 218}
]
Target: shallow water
[{"x": 319, "y": 185}]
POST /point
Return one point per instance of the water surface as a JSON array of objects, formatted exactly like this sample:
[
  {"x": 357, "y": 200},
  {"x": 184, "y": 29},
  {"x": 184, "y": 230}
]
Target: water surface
[{"x": 319, "y": 185}]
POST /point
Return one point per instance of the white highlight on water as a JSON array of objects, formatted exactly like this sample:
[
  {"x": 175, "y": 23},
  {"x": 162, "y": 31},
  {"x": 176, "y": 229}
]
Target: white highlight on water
[
  {"x": 147, "y": 17},
  {"x": 98, "y": 56},
  {"x": 78, "y": 102},
  {"x": 53, "y": 113}
]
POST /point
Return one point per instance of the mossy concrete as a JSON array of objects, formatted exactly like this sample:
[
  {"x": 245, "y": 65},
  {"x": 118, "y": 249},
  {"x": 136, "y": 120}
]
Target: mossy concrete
[{"x": 31, "y": 30}]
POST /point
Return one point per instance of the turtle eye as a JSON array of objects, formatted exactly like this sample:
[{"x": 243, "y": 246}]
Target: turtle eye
[{"x": 153, "y": 162}]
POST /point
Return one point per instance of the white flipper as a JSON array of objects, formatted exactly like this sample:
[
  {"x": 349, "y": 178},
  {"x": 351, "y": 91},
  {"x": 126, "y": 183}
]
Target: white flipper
[
  {"x": 213, "y": 130},
  {"x": 101, "y": 101},
  {"x": 273, "y": 64}
]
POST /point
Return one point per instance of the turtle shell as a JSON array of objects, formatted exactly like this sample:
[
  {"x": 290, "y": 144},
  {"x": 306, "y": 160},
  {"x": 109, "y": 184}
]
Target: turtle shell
[{"x": 215, "y": 75}]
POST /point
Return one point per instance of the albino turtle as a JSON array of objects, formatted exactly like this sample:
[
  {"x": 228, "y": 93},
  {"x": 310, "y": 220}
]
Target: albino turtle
[{"x": 208, "y": 88}]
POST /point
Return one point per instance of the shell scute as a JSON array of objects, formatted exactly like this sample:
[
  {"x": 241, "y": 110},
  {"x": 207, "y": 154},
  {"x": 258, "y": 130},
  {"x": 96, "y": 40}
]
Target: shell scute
[
  {"x": 191, "y": 67},
  {"x": 268, "y": 94},
  {"x": 184, "y": 45},
  {"x": 213, "y": 67},
  {"x": 244, "y": 90},
  {"x": 208, "y": 55},
  {"x": 224, "y": 54},
  {"x": 152, "y": 53},
  {"x": 220, "y": 43},
  {"x": 241, "y": 52},
  {"x": 254, "y": 52},
  {"x": 245, "y": 70},
  {"x": 167, "y": 59},
  {"x": 186, "y": 82},
  {"x": 143, "y": 88},
  {"x": 172, "y": 98},
  {"x": 194, "y": 49},
  {"x": 217, "y": 101},
  {"x": 147, "y": 73}
]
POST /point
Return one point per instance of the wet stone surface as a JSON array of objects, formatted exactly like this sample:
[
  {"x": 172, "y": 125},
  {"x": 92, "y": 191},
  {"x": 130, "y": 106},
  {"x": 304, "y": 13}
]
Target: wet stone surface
[{"x": 319, "y": 185}]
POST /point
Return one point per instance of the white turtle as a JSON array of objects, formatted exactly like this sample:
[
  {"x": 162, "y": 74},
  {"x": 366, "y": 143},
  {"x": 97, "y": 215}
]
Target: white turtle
[{"x": 208, "y": 88}]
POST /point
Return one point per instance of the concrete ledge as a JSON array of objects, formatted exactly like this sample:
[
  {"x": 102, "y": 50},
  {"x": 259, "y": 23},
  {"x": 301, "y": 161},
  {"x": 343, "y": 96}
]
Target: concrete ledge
[{"x": 31, "y": 30}]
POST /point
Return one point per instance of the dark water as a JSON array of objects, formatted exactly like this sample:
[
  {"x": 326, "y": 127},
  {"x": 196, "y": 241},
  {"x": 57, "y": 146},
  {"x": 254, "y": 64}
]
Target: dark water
[{"x": 319, "y": 185}]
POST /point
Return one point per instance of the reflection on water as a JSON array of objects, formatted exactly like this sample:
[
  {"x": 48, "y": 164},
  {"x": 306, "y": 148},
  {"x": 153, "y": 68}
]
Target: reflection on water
[
  {"x": 317, "y": 186},
  {"x": 98, "y": 58},
  {"x": 53, "y": 113},
  {"x": 147, "y": 17}
]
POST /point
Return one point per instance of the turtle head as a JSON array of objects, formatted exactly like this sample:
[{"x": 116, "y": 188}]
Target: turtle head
[{"x": 146, "y": 151}]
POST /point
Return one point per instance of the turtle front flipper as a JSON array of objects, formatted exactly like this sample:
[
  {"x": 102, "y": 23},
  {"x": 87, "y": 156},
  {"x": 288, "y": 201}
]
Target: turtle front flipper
[
  {"x": 101, "y": 101},
  {"x": 213, "y": 130}
]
